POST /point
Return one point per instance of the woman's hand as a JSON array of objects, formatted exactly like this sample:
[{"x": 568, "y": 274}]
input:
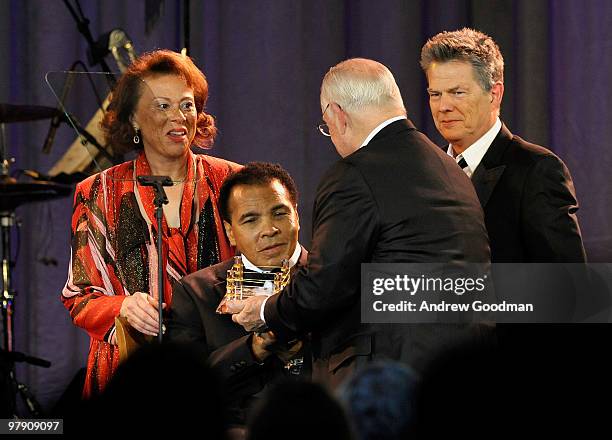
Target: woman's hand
[{"x": 140, "y": 311}]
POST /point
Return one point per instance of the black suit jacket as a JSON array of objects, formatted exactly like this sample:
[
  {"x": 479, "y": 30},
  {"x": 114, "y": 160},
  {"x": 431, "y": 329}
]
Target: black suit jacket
[
  {"x": 530, "y": 208},
  {"x": 398, "y": 199},
  {"x": 529, "y": 203},
  {"x": 225, "y": 345}
]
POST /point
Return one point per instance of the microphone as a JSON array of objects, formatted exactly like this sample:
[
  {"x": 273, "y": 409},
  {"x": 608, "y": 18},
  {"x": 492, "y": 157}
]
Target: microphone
[
  {"x": 158, "y": 183},
  {"x": 59, "y": 117},
  {"x": 55, "y": 123},
  {"x": 154, "y": 180}
]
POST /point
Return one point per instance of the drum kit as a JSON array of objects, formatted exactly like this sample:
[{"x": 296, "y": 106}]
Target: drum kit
[{"x": 12, "y": 195}]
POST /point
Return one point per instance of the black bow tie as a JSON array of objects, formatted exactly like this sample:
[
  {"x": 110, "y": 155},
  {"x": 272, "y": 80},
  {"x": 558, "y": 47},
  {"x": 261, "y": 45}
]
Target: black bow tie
[{"x": 252, "y": 277}]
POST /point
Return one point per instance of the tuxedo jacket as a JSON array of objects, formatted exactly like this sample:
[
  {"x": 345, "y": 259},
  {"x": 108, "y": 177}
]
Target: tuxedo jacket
[
  {"x": 530, "y": 208},
  {"x": 397, "y": 199},
  {"x": 529, "y": 203},
  {"x": 225, "y": 345}
]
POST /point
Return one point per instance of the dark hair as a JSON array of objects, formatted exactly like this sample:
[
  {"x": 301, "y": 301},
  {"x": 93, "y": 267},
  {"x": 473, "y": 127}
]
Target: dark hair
[
  {"x": 116, "y": 123},
  {"x": 470, "y": 46},
  {"x": 255, "y": 173}
]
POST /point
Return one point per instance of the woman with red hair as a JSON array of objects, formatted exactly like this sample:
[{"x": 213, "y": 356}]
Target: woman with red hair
[{"x": 157, "y": 108}]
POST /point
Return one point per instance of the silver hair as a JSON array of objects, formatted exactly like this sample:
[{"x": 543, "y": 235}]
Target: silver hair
[
  {"x": 468, "y": 45},
  {"x": 360, "y": 83}
]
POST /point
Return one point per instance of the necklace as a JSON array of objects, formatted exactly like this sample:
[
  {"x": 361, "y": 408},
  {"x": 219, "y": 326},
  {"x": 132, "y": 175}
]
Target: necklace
[{"x": 175, "y": 182}]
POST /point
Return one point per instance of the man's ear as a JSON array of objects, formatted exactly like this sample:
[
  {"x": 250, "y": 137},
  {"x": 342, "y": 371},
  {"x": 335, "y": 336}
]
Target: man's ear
[
  {"x": 340, "y": 118},
  {"x": 297, "y": 216},
  {"x": 229, "y": 232},
  {"x": 497, "y": 93}
]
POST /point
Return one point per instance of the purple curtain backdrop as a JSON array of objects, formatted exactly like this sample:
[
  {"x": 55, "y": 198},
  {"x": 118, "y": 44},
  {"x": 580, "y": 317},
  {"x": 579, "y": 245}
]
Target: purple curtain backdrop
[{"x": 264, "y": 61}]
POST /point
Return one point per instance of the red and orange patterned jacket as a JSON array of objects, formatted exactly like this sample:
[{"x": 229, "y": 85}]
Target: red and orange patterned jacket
[{"x": 114, "y": 233}]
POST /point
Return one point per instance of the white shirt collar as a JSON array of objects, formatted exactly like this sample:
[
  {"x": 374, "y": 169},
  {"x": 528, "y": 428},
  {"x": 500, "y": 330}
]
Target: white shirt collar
[
  {"x": 380, "y": 127},
  {"x": 292, "y": 261},
  {"x": 475, "y": 152}
]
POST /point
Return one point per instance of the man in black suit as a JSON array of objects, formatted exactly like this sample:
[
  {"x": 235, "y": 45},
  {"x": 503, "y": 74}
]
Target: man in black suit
[
  {"x": 258, "y": 205},
  {"x": 525, "y": 190},
  {"x": 394, "y": 197}
]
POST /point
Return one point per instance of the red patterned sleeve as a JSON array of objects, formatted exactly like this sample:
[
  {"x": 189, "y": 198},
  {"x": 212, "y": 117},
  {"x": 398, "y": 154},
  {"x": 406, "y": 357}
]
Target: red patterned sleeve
[{"x": 93, "y": 293}]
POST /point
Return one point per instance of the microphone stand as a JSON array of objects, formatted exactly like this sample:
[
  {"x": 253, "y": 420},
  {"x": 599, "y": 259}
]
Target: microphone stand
[
  {"x": 8, "y": 357},
  {"x": 158, "y": 183},
  {"x": 9, "y": 407},
  {"x": 83, "y": 27}
]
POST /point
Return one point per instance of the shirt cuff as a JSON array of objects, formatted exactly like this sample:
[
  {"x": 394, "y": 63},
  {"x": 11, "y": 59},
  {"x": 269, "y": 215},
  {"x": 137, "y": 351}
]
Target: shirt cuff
[{"x": 261, "y": 310}]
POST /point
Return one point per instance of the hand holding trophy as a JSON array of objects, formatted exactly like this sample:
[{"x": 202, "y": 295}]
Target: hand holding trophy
[{"x": 243, "y": 284}]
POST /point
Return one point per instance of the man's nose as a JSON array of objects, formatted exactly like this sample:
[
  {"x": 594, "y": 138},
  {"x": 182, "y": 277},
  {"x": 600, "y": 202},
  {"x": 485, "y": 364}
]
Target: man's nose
[
  {"x": 446, "y": 103},
  {"x": 269, "y": 229}
]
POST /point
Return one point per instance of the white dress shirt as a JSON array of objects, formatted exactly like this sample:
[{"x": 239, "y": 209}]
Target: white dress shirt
[
  {"x": 474, "y": 153},
  {"x": 380, "y": 127}
]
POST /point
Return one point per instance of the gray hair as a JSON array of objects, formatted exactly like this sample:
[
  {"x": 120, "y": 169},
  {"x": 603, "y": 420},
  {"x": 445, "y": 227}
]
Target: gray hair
[
  {"x": 359, "y": 83},
  {"x": 468, "y": 45}
]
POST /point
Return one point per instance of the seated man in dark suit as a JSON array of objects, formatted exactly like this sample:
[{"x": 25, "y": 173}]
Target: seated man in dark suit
[{"x": 258, "y": 205}]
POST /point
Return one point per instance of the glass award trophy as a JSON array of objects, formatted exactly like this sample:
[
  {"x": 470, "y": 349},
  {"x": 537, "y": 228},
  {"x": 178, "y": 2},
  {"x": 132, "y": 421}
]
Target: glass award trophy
[{"x": 242, "y": 283}]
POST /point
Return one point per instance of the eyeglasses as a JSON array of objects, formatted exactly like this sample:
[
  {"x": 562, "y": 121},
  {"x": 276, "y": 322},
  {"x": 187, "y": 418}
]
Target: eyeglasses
[{"x": 323, "y": 128}]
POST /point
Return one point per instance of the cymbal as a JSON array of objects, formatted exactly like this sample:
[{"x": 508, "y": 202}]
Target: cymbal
[
  {"x": 15, "y": 194},
  {"x": 24, "y": 113}
]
